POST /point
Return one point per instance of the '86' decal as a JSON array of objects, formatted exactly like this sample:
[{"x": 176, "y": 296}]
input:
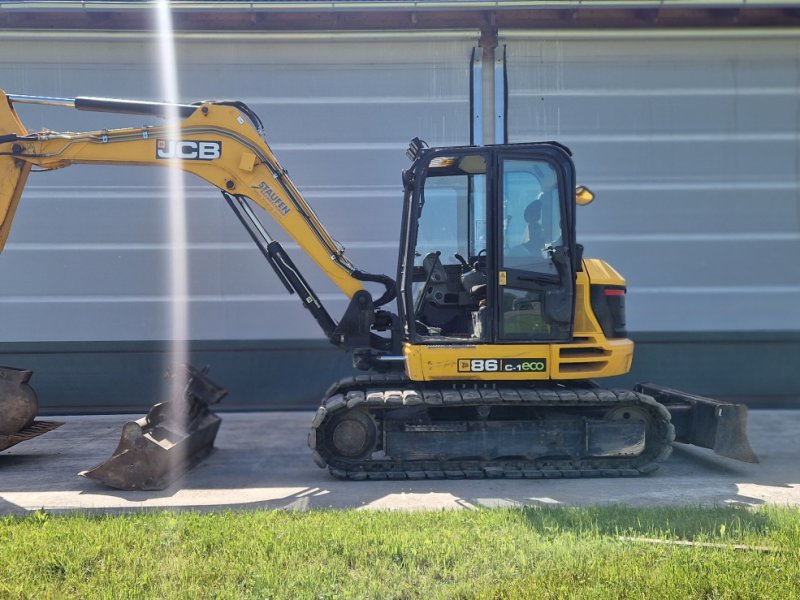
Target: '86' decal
[{"x": 502, "y": 365}]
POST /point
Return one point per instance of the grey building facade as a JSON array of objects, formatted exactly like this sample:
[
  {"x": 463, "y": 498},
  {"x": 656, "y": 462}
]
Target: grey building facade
[{"x": 688, "y": 136}]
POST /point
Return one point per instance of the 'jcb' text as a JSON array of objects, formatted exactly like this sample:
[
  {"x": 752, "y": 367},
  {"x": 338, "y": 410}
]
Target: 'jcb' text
[{"x": 188, "y": 149}]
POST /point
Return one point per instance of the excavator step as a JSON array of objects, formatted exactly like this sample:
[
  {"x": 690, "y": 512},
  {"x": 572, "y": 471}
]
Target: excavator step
[{"x": 173, "y": 437}]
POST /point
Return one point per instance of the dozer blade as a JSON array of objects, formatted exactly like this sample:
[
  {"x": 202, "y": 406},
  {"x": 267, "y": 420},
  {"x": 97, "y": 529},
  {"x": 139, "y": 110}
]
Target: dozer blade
[
  {"x": 174, "y": 436},
  {"x": 704, "y": 422},
  {"x": 18, "y": 408}
]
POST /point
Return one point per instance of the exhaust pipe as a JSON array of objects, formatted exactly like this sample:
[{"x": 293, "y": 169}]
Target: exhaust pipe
[
  {"x": 175, "y": 435},
  {"x": 18, "y": 409}
]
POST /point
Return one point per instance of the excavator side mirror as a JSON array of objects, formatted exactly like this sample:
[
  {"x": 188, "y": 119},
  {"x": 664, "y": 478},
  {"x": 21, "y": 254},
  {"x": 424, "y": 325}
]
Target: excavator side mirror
[{"x": 583, "y": 195}]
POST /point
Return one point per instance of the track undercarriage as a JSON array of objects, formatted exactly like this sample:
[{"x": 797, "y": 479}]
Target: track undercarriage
[{"x": 387, "y": 427}]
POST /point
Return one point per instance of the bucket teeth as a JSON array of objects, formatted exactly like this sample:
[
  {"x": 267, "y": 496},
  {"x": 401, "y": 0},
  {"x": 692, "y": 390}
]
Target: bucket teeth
[{"x": 175, "y": 435}]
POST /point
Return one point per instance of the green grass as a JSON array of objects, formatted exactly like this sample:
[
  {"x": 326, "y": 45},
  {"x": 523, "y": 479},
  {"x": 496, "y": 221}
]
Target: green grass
[{"x": 491, "y": 553}]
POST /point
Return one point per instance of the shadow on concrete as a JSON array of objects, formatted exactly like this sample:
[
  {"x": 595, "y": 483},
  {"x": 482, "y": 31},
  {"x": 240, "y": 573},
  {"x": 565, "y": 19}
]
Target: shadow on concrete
[
  {"x": 8, "y": 508},
  {"x": 8, "y": 461}
]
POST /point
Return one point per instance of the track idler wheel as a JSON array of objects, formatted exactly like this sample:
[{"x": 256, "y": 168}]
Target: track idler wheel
[
  {"x": 352, "y": 434},
  {"x": 631, "y": 414}
]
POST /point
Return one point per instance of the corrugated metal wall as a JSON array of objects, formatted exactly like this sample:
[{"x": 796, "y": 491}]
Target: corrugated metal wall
[
  {"x": 87, "y": 256},
  {"x": 692, "y": 145}
]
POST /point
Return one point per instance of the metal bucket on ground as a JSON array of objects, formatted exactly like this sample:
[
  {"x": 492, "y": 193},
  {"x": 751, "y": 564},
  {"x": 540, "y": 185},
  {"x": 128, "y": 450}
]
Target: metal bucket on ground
[
  {"x": 18, "y": 408},
  {"x": 174, "y": 436}
]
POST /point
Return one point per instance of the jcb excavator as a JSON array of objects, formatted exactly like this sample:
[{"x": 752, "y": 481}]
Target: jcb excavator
[{"x": 487, "y": 366}]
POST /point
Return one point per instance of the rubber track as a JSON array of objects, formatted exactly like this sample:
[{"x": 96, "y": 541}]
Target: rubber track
[{"x": 394, "y": 390}]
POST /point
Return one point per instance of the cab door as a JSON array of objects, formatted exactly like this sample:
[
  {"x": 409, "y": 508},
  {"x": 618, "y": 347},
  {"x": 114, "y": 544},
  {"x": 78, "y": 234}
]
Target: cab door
[{"x": 534, "y": 248}]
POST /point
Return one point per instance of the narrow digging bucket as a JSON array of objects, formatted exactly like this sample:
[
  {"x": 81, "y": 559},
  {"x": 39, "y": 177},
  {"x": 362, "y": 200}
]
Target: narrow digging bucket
[
  {"x": 175, "y": 435},
  {"x": 18, "y": 409}
]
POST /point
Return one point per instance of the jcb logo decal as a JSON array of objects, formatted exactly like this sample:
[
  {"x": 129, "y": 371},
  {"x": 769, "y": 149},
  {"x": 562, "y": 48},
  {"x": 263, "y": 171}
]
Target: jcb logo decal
[
  {"x": 188, "y": 149},
  {"x": 502, "y": 365}
]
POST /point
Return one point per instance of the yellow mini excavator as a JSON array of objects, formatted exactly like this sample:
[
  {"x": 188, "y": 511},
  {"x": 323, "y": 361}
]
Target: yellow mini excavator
[{"x": 487, "y": 367}]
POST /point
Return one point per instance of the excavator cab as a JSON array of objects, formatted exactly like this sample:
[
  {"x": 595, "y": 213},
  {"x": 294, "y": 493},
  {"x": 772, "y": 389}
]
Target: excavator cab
[
  {"x": 490, "y": 253},
  {"x": 492, "y": 283}
]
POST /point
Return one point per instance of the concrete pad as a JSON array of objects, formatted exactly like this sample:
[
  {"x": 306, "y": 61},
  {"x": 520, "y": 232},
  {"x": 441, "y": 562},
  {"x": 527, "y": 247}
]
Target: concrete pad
[{"x": 262, "y": 461}]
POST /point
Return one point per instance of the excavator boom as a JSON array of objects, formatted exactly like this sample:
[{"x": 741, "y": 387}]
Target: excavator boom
[
  {"x": 214, "y": 141},
  {"x": 222, "y": 143}
]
